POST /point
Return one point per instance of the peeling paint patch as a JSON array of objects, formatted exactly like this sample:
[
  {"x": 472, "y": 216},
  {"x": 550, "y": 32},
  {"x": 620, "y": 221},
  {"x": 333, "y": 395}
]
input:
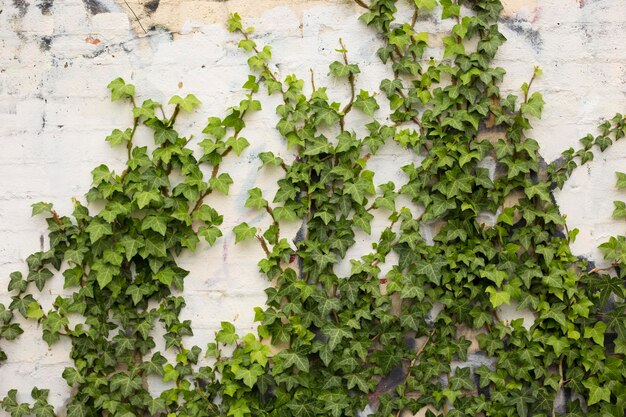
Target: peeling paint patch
[
  {"x": 520, "y": 8},
  {"x": 45, "y": 6},
  {"x": 92, "y": 40},
  {"x": 95, "y": 7}
]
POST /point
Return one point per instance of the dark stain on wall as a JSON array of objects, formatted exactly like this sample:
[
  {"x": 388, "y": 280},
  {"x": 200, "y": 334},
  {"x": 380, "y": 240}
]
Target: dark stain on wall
[
  {"x": 524, "y": 29},
  {"x": 45, "y": 42},
  {"x": 45, "y": 6},
  {"x": 95, "y": 7},
  {"x": 152, "y": 6},
  {"x": 21, "y": 6}
]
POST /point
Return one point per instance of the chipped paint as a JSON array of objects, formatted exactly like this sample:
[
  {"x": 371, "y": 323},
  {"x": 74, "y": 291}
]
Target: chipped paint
[{"x": 175, "y": 15}]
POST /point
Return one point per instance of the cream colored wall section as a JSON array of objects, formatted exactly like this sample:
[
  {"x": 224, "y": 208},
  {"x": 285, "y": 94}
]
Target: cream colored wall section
[{"x": 57, "y": 56}]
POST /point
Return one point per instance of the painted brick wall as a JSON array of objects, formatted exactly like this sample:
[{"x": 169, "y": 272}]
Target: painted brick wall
[{"x": 56, "y": 58}]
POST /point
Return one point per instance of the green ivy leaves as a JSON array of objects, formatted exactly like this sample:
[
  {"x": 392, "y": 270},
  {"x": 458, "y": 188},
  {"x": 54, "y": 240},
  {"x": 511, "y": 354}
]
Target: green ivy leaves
[{"x": 481, "y": 233}]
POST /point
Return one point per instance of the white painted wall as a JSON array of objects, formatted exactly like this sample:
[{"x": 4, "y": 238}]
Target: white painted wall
[{"x": 55, "y": 111}]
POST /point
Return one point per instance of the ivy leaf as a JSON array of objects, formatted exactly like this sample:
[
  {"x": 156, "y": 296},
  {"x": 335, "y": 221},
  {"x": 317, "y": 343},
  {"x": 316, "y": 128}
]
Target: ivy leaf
[
  {"x": 41, "y": 207},
  {"x": 497, "y": 298},
  {"x": 119, "y": 89},
  {"x": 11, "y": 331},
  {"x": 366, "y": 103},
  {"x": 239, "y": 409},
  {"x": 34, "y": 311},
  {"x": 40, "y": 277},
  {"x": 131, "y": 245},
  {"x": 237, "y": 144},
  {"x": 243, "y": 231},
  {"x": 290, "y": 358},
  {"x": 596, "y": 333},
  {"x": 596, "y": 392},
  {"x": 255, "y": 199},
  {"x": 97, "y": 230},
  {"x": 534, "y": 106},
  {"x": 221, "y": 183},
  {"x": 250, "y": 375},
  {"x": 118, "y": 137},
  {"x": 126, "y": 384},
  {"x": 428, "y": 4},
  {"x": 227, "y": 334},
  {"x": 621, "y": 181},
  {"x": 188, "y": 103},
  {"x": 72, "y": 377},
  {"x": 156, "y": 223},
  {"x": 210, "y": 233},
  {"x": 335, "y": 335},
  {"x": 431, "y": 269},
  {"x": 343, "y": 70}
]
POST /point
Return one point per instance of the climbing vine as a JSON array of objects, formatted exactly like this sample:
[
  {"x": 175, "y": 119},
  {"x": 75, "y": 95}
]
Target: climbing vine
[{"x": 481, "y": 231}]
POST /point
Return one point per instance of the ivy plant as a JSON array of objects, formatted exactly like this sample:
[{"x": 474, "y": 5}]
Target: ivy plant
[{"x": 482, "y": 232}]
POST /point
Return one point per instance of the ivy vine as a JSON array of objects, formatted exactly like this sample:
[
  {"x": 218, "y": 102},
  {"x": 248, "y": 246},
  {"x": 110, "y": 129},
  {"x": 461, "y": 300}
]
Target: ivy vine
[{"x": 483, "y": 231}]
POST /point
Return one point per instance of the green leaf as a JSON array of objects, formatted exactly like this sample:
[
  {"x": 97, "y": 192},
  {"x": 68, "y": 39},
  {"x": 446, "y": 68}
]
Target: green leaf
[
  {"x": 41, "y": 207},
  {"x": 428, "y": 4},
  {"x": 119, "y": 89},
  {"x": 97, "y": 230},
  {"x": 431, "y": 269},
  {"x": 156, "y": 223},
  {"x": 238, "y": 144},
  {"x": 497, "y": 298},
  {"x": 118, "y": 137},
  {"x": 221, "y": 183},
  {"x": 34, "y": 311},
  {"x": 130, "y": 245},
  {"x": 239, "y": 409},
  {"x": 249, "y": 375},
  {"x": 335, "y": 335},
  {"x": 366, "y": 103},
  {"x": 534, "y": 106},
  {"x": 187, "y": 104},
  {"x": 40, "y": 277},
  {"x": 227, "y": 334},
  {"x": 597, "y": 393},
  {"x": 210, "y": 233},
  {"x": 343, "y": 70},
  {"x": 255, "y": 199},
  {"x": 243, "y": 231},
  {"x": 596, "y": 333},
  {"x": 72, "y": 376},
  {"x": 290, "y": 358},
  {"x": 125, "y": 384}
]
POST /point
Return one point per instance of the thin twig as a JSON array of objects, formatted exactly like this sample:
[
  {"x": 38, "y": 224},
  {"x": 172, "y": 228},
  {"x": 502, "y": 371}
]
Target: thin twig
[{"x": 136, "y": 17}]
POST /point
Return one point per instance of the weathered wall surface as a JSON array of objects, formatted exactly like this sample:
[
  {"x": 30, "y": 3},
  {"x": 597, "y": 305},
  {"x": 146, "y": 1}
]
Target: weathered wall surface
[{"x": 56, "y": 58}]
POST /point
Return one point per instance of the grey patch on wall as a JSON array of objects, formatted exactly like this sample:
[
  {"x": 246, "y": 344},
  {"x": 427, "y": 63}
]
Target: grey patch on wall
[
  {"x": 161, "y": 30},
  {"x": 21, "y": 6},
  {"x": 524, "y": 29},
  {"x": 95, "y": 6},
  {"x": 151, "y": 6},
  {"x": 45, "y": 6},
  {"x": 45, "y": 42}
]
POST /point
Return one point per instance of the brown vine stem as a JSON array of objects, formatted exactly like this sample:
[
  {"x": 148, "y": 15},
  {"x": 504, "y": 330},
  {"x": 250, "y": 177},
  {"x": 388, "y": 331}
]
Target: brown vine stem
[
  {"x": 261, "y": 240},
  {"x": 362, "y": 4},
  {"x": 172, "y": 119},
  {"x": 312, "y": 79},
  {"x": 348, "y": 106}
]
